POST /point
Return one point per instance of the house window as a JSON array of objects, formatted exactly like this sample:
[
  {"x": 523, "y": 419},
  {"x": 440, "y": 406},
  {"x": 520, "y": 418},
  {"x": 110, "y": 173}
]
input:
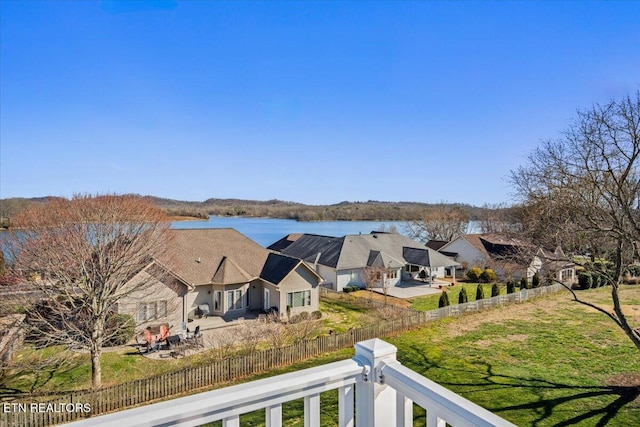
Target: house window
[
  {"x": 142, "y": 312},
  {"x": 299, "y": 299},
  {"x": 217, "y": 300},
  {"x": 152, "y": 310},
  {"x": 162, "y": 309},
  {"x": 234, "y": 299},
  {"x": 393, "y": 274}
]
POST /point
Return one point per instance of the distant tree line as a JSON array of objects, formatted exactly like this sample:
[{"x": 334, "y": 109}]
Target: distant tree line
[{"x": 343, "y": 211}]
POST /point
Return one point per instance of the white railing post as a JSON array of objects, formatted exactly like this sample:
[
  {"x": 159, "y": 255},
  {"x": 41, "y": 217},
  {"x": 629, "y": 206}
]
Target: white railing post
[
  {"x": 273, "y": 416},
  {"x": 312, "y": 411},
  {"x": 375, "y": 402},
  {"x": 345, "y": 406}
]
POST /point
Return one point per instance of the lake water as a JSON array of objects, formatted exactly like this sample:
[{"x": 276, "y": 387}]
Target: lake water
[{"x": 266, "y": 231}]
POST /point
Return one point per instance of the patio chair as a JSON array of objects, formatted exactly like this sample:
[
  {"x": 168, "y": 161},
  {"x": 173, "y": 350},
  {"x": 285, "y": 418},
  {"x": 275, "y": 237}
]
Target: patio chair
[
  {"x": 152, "y": 343},
  {"x": 196, "y": 340}
]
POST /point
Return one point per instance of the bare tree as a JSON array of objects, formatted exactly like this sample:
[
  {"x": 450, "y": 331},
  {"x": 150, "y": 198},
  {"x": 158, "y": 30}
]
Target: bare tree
[
  {"x": 82, "y": 254},
  {"x": 440, "y": 222},
  {"x": 373, "y": 277},
  {"x": 583, "y": 191}
]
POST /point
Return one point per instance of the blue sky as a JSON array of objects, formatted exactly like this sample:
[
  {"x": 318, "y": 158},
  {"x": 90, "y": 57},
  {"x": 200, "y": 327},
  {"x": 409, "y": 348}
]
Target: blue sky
[{"x": 315, "y": 102}]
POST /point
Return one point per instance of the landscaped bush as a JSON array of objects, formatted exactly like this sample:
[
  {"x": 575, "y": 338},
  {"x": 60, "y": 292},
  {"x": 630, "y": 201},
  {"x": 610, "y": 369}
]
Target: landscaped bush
[
  {"x": 479, "y": 293},
  {"x": 595, "y": 280},
  {"x": 535, "y": 282},
  {"x": 122, "y": 326},
  {"x": 511, "y": 286},
  {"x": 495, "y": 290},
  {"x": 295, "y": 318},
  {"x": 584, "y": 280},
  {"x": 474, "y": 274},
  {"x": 444, "y": 300},
  {"x": 462, "y": 296},
  {"x": 634, "y": 270},
  {"x": 488, "y": 276},
  {"x": 317, "y": 314},
  {"x": 304, "y": 315},
  {"x": 349, "y": 288},
  {"x": 524, "y": 283}
]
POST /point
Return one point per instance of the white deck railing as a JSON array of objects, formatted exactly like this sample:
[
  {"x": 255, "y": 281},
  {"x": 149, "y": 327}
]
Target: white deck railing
[{"x": 384, "y": 393}]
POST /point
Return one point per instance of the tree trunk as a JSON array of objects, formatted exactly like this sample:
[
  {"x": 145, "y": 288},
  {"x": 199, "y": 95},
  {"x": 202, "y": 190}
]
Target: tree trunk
[
  {"x": 622, "y": 320},
  {"x": 96, "y": 352}
]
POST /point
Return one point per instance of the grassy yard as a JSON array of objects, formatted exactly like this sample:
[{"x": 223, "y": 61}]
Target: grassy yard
[
  {"x": 546, "y": 362},
  {"x": 430, "y": 302},
  {"x": 72, "y": 370}
]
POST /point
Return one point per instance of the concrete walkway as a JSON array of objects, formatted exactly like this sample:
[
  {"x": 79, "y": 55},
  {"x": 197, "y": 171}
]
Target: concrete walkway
[{"x": 414, "y": 289}]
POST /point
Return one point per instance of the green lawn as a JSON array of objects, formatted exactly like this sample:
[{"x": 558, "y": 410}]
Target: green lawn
[
  {"x": 546, "y": 362},
  {"x": 430, "y": 302}
]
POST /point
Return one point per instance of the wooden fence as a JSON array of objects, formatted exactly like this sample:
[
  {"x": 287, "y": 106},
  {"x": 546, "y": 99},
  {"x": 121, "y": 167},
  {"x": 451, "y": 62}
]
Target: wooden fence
[{"x": 190, "y": 380}]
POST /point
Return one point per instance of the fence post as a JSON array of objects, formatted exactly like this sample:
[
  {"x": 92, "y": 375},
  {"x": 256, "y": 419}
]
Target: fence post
[{"x": 375, "y": 402}]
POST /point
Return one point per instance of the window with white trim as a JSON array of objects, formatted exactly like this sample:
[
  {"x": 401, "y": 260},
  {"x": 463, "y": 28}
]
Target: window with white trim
[
  {"x": 234, "y": 300},
  {"x": 299, "y": 299}
]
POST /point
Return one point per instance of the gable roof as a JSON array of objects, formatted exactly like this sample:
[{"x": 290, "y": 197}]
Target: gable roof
[
  {"x": 220, "y": 255},
  {"x": 362, "y": 250},
  {"x": 308, "y": 246},
  {"x": 491, "y": 245},
  {"x": 284, "y": 242},
  {"x": 225, "y": 256},
  {"x": 230, "y": 272},
  {"x": 278, "y": 266}
]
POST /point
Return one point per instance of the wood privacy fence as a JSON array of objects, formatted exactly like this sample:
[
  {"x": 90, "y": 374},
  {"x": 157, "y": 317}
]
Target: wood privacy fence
[{"x": 65, "y": 407}]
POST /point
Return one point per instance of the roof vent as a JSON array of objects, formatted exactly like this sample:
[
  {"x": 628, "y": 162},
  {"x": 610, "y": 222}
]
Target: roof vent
[{"x": 198, "y": 260}]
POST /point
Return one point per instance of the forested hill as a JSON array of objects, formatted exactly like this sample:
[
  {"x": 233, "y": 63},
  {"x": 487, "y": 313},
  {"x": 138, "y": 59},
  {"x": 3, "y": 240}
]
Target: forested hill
[{"x": 349, "y": 211}]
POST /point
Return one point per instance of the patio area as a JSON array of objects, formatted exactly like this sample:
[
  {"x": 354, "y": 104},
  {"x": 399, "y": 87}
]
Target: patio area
[
  {"x": 209, "y": 329},
  {"x": 414, "y": 288}
]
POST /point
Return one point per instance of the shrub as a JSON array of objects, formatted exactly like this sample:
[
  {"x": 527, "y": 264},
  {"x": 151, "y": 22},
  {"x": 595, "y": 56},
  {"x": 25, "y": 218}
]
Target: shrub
[
  {"x": 304, "y": 315},
  {"x": 348, "y": 289},
  {"x": 316, "y": 315},
  {"x": 595, "y": 280},
  {"x": 462, "y": 296},
  {"x": 295, "y": 318},
  {"x": 634, "y": 270},
  {"x": 474, "y": 274},
  {"x": 535, "y": 282},
  {"x": 479, "y": 293},
  {"x": 584, "y": 280},
  {"x": 120, "y": 328},
  {"x": 444, "y": 300},
  {"x": 511, "y": 286},
  {"x": 495, "y": 290},
  {"x": 524, "y": 283},
  {"x": 488, "y": 276}
]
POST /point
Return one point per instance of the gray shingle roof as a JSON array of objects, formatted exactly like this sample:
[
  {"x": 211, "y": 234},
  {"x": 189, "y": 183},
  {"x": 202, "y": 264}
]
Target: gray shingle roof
[{"x": 361, "y": 250}]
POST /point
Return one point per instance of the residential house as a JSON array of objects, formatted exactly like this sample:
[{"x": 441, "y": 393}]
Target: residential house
[
  {"x": 343, "y": 261},
  {"x": 221, "y": 272},
  {"x": 508, "y": 257}
]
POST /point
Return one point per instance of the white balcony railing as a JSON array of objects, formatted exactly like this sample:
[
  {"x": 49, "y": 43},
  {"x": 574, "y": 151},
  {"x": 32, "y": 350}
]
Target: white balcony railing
[{"x": 384, "y": 391}]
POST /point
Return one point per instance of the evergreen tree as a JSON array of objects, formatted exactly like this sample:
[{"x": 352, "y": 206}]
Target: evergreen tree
[
  {"x": 536, "y": 280},
  {"x": 462, "y": 296},
  {"x": 479, "y": 293},
  {"x": 495, "y": 290},
  {"x": 444, "y": 300}
]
